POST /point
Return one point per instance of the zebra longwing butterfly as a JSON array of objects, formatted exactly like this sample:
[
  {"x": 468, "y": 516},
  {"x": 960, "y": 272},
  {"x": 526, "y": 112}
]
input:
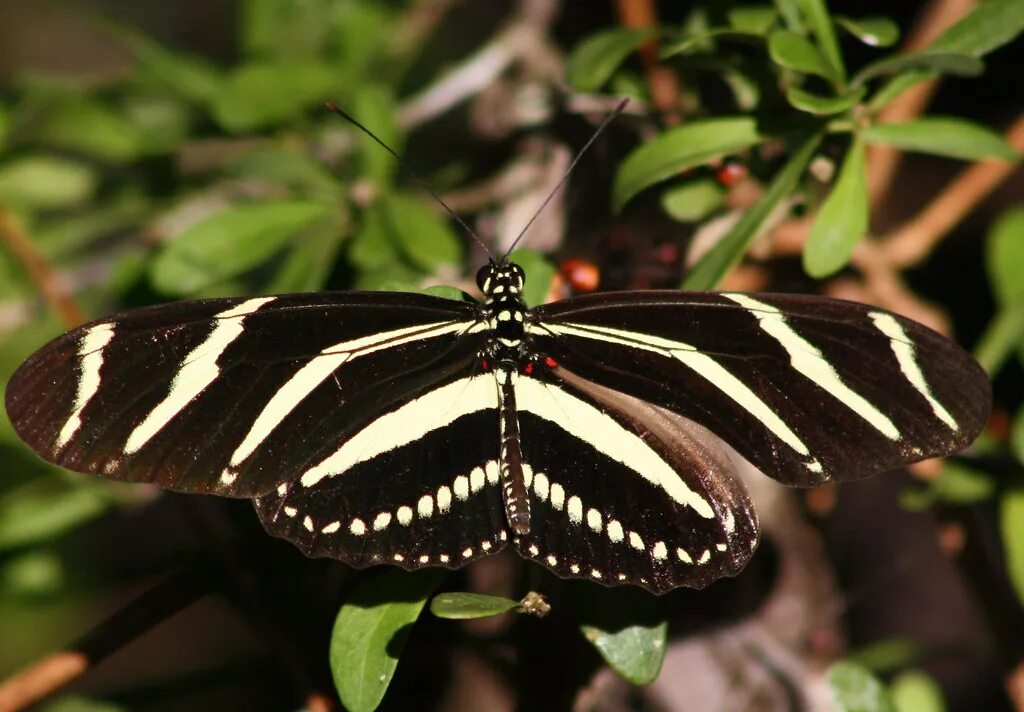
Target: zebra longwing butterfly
[{"x": 413, "y": 430}]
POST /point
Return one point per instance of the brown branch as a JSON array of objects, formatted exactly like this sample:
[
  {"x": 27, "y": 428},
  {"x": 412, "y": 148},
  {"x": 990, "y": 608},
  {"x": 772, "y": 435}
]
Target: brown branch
[
  {"x": 38, "y": 269},
  {"x": 884, "y": 161},
  {"x": 57, "y": 670},
  {"x": 913, "y": 241},
  {"x": 661, "y": 80}
]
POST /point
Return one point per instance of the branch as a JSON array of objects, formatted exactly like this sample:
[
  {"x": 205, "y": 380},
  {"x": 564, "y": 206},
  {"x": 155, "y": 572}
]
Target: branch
[
  {"x": 38, "y": 269},
  {"x": 57, "y": 670},
  {"x": 913, "y": 241}
]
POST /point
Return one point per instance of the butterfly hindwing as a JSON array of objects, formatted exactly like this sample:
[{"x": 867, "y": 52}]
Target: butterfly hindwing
[
  {"x": 622, "y": 491},
  {"x": 210, "y": 396},
  {"x": 808, "y": 389}
]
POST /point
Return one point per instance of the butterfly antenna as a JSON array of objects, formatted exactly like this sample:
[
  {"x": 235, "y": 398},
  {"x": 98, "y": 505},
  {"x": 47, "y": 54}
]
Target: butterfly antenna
[
  {"x": 604, "y": 124},
  {"x": 408, "y": 169}
]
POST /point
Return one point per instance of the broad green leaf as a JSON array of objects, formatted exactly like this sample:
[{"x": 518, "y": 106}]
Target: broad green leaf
[
  {"x": 1011, "y": 524},
  {"x": 713, "y": 266},
  {"x": 823, "y": 105},
  {"x": 355, "y": 39},
  {"x": 292, "y": 169},
  {"x": 1017, "y": 436},
  {"x": 539, "y": 273},
  {"x": 874, "y": 31},
  {"x": 680, "y": 148},
  {"x": 990, "y": 25},
  {"x": 47, "y": 507},
  {"x": 32, "y": 574},
  {"x": 694, "y": 200},
  {"x": 896, "y": 85},
  {"x": 256, "y": 96},
  {"x": 961, "y": 484},
  {"x": 796, "y": 52},
  {"x": 592, "y": 62},
  {"x": 916, "y": 691},
  {"x": 230, "y": 243},
  {"x": 161, "y": 122},
  {"x": 420, "y": 233},
  {"x": 627, "y": 629},
  {"x": 936, "y": 62},
  {"x": 88, "y": 127},
  {"x": 59, "y": 238},
  {"x": 820, "y": 23},
  {"x": 459, "y": 605},
  {"x": 189, "y": 77},
  {"x": 285, "y": 29},
  {"x": 854, "y": 689},
  {"x": 755, "y": 19},
  {"x": 371, "y": 630},
  {"x": 375, "y": 107},
  {"x": 1004, "y": 257},
  {"x": 309, "y": 263},
  {"x": 45, "y": 182},
  {"x": 445, "y": 292},
  {"x": 943, "y": 136},
  {"x": 842, "y": 220},
  {"x": 372, "y": 247}
]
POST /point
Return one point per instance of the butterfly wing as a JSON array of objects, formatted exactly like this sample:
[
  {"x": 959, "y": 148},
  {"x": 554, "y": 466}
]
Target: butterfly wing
[
  {"x": 232, "y": 396},
  {"x": 808, "y": 389}
]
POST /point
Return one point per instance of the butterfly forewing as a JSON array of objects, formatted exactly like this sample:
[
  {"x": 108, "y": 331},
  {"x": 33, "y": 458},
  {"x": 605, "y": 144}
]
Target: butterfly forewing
[
  {"x": 231, "y": 396},
  {"x": 807, "y": 389}
]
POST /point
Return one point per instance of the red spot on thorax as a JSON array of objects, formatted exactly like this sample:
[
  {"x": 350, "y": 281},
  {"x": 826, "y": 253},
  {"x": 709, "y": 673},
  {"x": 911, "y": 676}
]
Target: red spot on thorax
[
  {"x": 485, "y": 365},
  {"x": 528, "y": 368},
  {"x": 550, "y": 362}
]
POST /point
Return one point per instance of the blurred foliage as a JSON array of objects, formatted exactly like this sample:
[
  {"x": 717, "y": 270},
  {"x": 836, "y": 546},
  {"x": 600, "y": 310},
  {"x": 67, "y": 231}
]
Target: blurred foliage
[{"x": 184, "y": 179}]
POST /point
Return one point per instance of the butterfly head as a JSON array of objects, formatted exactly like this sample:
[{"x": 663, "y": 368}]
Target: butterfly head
[{"x": 501, "y": 279}]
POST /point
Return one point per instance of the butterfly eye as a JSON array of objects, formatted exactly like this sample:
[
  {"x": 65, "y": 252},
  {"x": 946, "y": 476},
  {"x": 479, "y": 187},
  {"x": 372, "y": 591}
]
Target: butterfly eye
[
  {"x": 484, "y": 277},
  {"x": 519, "y": 275}
]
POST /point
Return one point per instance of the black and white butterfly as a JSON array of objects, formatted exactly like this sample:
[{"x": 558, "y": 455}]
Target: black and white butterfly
[{"x": 413, "y": 430}]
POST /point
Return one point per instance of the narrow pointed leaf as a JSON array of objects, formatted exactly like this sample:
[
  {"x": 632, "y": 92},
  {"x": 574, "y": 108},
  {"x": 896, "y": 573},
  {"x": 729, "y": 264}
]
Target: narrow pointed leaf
[
  {"x": 714, "y": 265},
  {"x": 873, "y": 31},
  {"x": 943, "y": 136},
  {"x": 962, "y": 65},
  {"x": 989, "y": 26},
  {"x": 792, "y": 51},
  {"x": 854, "y": 689},
  {"x": 1004, "y": 257},
  {"x": 820, "y": 23},
  {"x": 309, "y": 263},
  {"x": 460, "y": 605},
  {"x": 1011, "y": 522},
  {"x": 896, "y": 85},
  {"x": 842, "y": 220},
  {"x": 371, "y": 630},
  {"x": 755, "y": 19},
  {"x": 681, "y": 148},
  {"x": 230, "y": 243},
  {"x": 823, "y": 105},
  {"x": 700, "y": 41},
  {"x": 594, "y": 60}
]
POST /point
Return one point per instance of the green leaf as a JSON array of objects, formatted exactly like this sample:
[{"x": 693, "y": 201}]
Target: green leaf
[
  {"x": 1004, "y": 257},
  {"x": 292, "y": 169},
  {"x": 422, "y": 235},
  {"x": 626, "y": 627},
  {"x": 873, "y": 31},
  {"x": 75, "y": 703},
  {"x": 854, "y": 689},
  {"x": 460, "y": 605},
  {"x": 820, "y": 23},
  {"x": 792, "y": 51},
  {"x": 943, "y": 136},
  {"x": 446, "y": 292},
  {"x": 896, "y": 85},
  {"x": 714, "y": 265},
  {"x": 989, "y": 26},
  {"x": 961, "y": 484},
  {"x": 32, "y": 574},
  {"x": 1002, "y": 336},
  {"x": 1011, "y": 524},
  {"x": 191, "y": 78},
  {"x": 286, "y": 29},
  {"x": 694, "y": 200},
  {"x": 680, "y": 148},
  {"x": 703, "y": 41},
  {"x": 89, "y": 127},
  {"x": 161, "y": 123},
  {"x": 308, "y": 264},
  {"x": 916, "y": 691},
  {"x": 375, "y": 106},
  {"x": 791, "y": 14},
  {"x": 936, "y": 62},
  {"x": 372, "y": 248},
  {"x": 823, "y": 105},
  {"x": 5, "y": 124},
  {"x": 230, "y": 243},
  {"x": 1017, "y": 436},
  {"x": 886, "y": 655},
  {"x": 842, "y": 220},
  {"x": 62, "y": 237},
  {"x": 256, "y": 96},
  {"x": 593, "y": 61},
  {"x": 46, "y": 182},
  {"x": 371, "y": 630},
  {"x": 755, "y": 19},
  {"x": 46, "y": 508},
  {"x": 539, "y": 273}
]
